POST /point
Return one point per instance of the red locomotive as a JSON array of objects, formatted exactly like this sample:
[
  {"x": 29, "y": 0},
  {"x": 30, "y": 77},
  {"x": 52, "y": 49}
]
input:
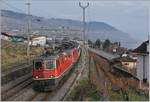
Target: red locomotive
[{"x": 49, "y": 69}]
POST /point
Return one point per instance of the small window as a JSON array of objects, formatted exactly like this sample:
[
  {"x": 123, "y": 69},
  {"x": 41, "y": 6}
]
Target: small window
[
  {"x": 50, "y": 64},
  {"x": 38, "y": 65}
]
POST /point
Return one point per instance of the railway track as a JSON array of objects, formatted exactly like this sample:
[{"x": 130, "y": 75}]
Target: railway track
[
  {"x": 64, "y": 87},
  {"x": 96, "y": 76},
  {"x": 110, "y": 78},
  {"x": 23, "y": 90},
  {"x": 70, "y": 83},
  {"x": 10, "y": 92},
  {"x": 41, "y": 96}
]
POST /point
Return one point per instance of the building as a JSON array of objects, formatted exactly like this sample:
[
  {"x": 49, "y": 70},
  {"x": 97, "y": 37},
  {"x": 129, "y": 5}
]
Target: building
[
  {"x": 142, "y": 53},
  {"x": 18, "y": 38},
  {"x": 116, "y": 48},
  {"x": 38, "y": 40},
  {"x": 126, "y": 63},
  {"x": 6, "y": 36},
  {"x": 129, "y": 63},
  {"x": 13, "y": 38}
]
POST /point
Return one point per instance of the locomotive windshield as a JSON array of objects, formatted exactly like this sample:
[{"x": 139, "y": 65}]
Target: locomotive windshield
[
  {"x": 50, "y": 64},
  {"x": 37, "y": 65}
]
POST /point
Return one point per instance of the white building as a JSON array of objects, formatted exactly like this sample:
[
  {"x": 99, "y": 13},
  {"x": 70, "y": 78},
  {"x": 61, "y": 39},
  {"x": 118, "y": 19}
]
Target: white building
[
  {"x": 142, "y": 53},
  {"x": 128, "y": 63},
  {"x": 38, "y": 41},
  {"x": 5, "y": 36}
]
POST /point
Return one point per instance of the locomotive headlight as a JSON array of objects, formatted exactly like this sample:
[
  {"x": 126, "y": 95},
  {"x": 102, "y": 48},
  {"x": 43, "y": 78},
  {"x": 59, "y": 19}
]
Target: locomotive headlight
[
  {"x": 36, "y": 77},
  {"x": 51, "y": 76}
]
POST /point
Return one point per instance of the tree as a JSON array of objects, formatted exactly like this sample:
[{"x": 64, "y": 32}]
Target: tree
[
  {"x": 116, "y": 43},
  {"x": 90, "y": 42},
  {"x": 119, "y": 44},
  {"x": 76, "y": 38},
  {"x": 106, "y": 43},
  {"x": 97, "y": 43}
]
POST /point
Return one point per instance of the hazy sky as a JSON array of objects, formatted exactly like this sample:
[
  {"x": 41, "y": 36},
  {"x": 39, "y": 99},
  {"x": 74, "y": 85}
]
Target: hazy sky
[{"x": 128, "y": 16}]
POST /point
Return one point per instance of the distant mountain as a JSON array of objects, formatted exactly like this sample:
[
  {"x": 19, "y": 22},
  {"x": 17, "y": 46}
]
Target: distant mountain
[{"x": 13, "y": 20}]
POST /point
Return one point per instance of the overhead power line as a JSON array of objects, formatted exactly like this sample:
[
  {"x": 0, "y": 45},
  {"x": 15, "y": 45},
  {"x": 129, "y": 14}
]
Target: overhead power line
[{"x": 11, "y": 6}]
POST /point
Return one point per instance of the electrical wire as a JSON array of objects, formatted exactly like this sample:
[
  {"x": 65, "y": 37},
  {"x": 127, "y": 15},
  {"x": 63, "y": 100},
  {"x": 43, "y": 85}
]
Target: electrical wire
[
  {"x": 11, "y": 6},
  {"x": 88, "y": 19}
]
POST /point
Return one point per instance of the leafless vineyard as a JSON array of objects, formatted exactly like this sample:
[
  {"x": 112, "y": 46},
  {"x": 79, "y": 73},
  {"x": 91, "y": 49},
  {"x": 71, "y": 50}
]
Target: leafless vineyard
[
  {"x": 104, "y": 81},
  {"x": 23, "y": 91}
]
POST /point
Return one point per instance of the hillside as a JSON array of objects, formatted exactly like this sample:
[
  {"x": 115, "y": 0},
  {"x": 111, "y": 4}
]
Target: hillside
[
  {"x": 13, "y": 20},
  {"x": 13, "y": 54}
]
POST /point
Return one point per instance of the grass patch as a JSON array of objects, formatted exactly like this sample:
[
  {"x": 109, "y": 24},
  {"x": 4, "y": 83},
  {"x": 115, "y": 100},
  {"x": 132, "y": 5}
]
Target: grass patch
[
  {"x": 15, "y": 53},
  {"x": 115, "y": 96},
  {"x": 85, "y": 92},
  {"x": 132, "y": 95},
  {"x": 135, "y": 96}
]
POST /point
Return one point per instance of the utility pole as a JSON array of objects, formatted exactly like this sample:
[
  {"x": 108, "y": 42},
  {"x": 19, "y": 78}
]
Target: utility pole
[
  {"x": 54, "y": 43},
  {"x": 83, "y": 23},
  {"x": 28, "y": 35},
  {"x": 62, "y": 34},
  {"x": 83, "y": 34},
  {"x": 54, "y": 38}
]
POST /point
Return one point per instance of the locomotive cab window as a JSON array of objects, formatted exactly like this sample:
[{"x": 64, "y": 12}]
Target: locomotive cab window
[
  {"x": 37, "y": 65},
  {"x": 50, "y": 64}
]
